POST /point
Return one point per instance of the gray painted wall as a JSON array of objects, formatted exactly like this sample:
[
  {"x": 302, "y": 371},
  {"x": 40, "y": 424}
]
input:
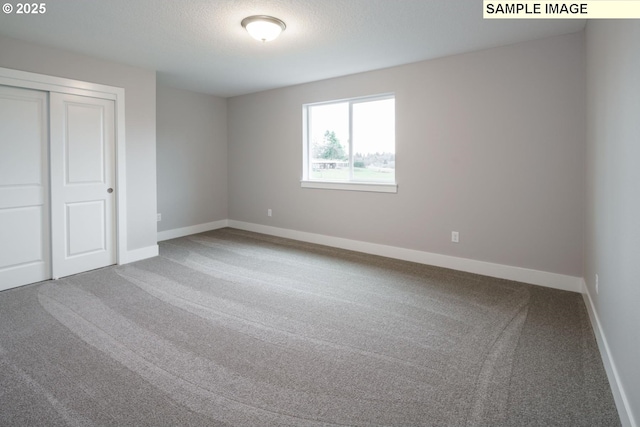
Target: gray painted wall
[
  {"x": 613, "y": 191},
  {"x": 192, "y": 158},
  {"x": 140, "y": 111},
  {"x": 490, "y": 144}
]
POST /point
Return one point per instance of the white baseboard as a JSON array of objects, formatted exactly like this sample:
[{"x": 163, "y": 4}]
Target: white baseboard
[
  {"x": 194, "y": 229},
  {"x": 139, "y": 254},
  {"x": 535, "y": 277},
  {"x": 619, "y": 395}
]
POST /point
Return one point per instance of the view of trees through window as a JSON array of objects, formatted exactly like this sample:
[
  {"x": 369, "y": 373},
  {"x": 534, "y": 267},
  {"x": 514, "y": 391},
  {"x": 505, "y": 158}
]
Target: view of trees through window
[{"x": 352, "y": 141}]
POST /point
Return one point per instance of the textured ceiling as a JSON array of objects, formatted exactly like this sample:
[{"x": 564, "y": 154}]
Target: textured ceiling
[{"x": 200, "y": 45}]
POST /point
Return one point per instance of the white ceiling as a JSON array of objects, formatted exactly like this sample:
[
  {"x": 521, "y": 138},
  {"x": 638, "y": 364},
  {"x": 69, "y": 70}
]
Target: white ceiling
[{"x": 200, "y": 45}]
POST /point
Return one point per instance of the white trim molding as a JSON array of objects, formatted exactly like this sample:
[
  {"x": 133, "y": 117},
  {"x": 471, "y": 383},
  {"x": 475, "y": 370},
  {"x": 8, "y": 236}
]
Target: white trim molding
[
  {"x": 619, "y": 394},
  {"x": 194, "y": 229},
  {"x": 48, "y": 83},
  {"x": 140, "y": 254},
  {"x": 534, "y": 277},
  {"x": 374, "y": 187}
]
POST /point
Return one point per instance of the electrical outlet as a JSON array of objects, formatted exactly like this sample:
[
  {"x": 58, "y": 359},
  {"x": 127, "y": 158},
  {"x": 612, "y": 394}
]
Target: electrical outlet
[
  {"x": 159, "y": 218},
  {"x": 269, "y": 212},
  {"x": 455, "y": 237},
  {"x": 597, "y": 284}
]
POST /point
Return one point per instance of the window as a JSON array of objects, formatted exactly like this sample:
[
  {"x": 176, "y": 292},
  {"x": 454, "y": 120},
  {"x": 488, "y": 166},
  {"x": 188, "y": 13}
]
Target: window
[{"x": 350, "y": 144}]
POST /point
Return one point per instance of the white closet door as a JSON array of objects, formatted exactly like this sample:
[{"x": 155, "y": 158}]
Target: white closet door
[
  {"x": 24, "y": 188},
  {"x": 82, "y": 184}
]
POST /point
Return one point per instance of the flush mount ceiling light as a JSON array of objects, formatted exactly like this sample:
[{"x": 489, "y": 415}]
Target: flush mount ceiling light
[{"x": 262, "y": 27}]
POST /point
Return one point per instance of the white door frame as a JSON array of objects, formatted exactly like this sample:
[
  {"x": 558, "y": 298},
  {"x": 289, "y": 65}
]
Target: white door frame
[{"x": 23, "y": 79}]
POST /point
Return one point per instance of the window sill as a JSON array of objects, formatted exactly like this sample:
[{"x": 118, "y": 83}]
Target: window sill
[{"x": 352, "y": 186}]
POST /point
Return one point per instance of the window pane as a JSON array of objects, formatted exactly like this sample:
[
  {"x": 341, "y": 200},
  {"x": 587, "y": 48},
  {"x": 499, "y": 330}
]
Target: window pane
[
  {"x": 329, "y": 141},
  {"x": 374, "y": 141}
]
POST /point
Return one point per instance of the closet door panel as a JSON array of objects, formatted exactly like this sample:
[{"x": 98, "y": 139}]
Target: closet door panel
[
  {"x": 24, "y": 187},
  {"x": 83, "y": 183}
]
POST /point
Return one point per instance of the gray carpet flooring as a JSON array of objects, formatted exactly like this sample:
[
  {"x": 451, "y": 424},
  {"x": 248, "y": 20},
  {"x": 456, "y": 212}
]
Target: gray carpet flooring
[{"x": 236, "y": 328}]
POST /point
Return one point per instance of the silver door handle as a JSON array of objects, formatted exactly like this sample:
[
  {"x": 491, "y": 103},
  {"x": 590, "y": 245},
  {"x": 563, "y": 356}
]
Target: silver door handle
[{"x": 109, "y": 190}]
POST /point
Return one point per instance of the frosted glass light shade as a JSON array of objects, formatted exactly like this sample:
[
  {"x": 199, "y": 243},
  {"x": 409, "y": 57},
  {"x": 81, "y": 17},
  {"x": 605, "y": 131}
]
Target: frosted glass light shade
[{"x": 263, "y": 28}]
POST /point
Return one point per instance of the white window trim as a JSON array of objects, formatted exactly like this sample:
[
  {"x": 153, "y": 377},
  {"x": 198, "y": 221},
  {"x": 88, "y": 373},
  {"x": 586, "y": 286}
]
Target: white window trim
[
  {"x": 351, "y": 186},
  {"x": 369, "y": 186}
]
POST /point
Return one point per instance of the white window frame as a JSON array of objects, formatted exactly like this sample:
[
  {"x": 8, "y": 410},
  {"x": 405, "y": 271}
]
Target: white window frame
[{"x": 350, "y": 185}]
